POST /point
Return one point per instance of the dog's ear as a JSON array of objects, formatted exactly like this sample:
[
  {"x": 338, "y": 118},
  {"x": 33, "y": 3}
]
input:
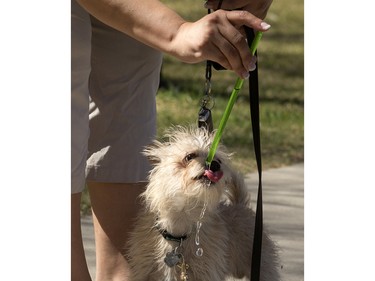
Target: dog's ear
[{"x": 151, "y": 152}]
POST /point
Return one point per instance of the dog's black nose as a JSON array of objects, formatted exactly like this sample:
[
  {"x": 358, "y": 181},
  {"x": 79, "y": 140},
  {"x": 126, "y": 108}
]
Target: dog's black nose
[{"x": 215, "y": 166}]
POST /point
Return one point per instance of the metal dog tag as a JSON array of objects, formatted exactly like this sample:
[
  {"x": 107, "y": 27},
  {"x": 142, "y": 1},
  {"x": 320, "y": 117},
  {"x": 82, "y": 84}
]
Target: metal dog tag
[
  {"x": 172, "y": 259},
  {"x": 205, "y": 119}
]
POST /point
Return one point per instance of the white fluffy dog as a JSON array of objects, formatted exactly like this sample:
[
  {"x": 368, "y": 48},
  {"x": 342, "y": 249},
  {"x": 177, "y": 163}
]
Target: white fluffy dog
[{"x": 196, "y": 224}]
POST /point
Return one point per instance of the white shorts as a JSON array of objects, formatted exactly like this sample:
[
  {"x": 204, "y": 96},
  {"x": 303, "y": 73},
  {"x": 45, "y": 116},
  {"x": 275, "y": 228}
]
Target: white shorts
[
  {"x": 123, "y": 82},
  {"x": 80, "y": 71}
]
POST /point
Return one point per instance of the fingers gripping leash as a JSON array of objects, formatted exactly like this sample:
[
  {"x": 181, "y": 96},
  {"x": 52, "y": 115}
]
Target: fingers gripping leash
[{"x": 228, "y": 110}]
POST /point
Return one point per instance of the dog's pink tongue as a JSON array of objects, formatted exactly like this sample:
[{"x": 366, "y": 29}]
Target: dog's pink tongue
[{"x": 213, "y": 176}]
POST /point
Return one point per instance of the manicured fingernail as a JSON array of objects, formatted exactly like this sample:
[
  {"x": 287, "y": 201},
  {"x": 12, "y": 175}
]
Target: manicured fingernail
[
  {"x": 252, "y": 67},
  {"x": 245, "y": 75},
  {"x": 252, "y": 62},
  {"x": 265, "y": 25}
]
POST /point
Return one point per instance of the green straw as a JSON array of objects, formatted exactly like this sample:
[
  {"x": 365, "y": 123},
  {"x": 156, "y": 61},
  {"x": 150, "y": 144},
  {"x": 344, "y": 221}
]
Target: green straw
[{"x": 228, "y": 109}]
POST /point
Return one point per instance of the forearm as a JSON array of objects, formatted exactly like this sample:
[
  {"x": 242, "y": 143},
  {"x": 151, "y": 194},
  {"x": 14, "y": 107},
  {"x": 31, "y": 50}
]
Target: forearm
[
  {"x": 148, "y": 21},
  {"x": 214, "y": 37}
]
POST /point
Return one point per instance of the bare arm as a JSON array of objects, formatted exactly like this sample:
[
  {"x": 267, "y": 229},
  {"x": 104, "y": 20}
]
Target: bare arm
[
  {"x": 214, "y": 37},
  {"x": 148, "y": 21}
]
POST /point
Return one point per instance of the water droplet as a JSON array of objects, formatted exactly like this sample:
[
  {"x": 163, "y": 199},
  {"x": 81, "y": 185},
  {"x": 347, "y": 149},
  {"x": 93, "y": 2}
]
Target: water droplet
[
  {"x": 199, "y": 225},
  {"x": 199, "y": 252},
  {"x": 203, "y": 211}
]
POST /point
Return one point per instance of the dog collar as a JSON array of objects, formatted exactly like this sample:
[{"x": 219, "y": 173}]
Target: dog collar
[{"x": 170, "y": 237}]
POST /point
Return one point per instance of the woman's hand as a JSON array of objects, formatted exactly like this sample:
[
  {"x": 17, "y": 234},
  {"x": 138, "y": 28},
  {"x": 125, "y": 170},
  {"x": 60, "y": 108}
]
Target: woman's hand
[{"x": 218, "y": 37}]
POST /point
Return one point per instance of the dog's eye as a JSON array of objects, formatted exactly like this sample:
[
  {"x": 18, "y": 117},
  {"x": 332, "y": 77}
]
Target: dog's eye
[{"x": 190, "y": 157}]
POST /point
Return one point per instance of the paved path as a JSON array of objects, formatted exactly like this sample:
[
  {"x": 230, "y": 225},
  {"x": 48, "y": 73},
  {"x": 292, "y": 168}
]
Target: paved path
[
  {"x": 283, "y": 207},
  {"x": 283, "y": 214}
]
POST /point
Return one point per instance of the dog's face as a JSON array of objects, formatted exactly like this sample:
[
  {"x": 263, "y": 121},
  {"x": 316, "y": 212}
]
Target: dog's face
[{"x": 180, "y": 179}]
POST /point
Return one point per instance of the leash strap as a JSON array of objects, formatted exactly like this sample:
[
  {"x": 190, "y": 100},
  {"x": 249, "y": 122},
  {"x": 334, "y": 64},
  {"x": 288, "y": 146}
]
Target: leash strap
[{"x": 254, "y": 112}]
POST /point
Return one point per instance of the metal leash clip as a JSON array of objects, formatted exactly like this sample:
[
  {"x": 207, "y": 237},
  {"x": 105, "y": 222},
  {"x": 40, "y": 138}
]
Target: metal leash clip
[{"x": 207, "y": 103}]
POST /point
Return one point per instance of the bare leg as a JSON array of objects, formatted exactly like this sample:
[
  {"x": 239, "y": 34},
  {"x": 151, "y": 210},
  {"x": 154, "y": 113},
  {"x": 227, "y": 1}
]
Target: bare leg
[
  {"x": 115, "y": 207},
  {"x": 79, "y": 270}
]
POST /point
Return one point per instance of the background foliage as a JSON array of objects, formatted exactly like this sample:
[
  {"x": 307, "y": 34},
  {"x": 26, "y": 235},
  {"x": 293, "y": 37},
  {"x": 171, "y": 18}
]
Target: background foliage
[{"x": 281, "y": 73}]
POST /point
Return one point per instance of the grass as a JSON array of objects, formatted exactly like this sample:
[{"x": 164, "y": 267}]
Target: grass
[{"x": 281, "y": 77}]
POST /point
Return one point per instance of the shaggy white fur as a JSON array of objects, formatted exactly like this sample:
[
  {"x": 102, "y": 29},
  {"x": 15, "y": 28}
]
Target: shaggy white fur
[{"x": 177, "y": 192}]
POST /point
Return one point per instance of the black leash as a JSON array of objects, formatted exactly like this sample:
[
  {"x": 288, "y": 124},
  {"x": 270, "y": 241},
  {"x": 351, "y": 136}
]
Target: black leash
[{"x": 255, "y": 121}]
